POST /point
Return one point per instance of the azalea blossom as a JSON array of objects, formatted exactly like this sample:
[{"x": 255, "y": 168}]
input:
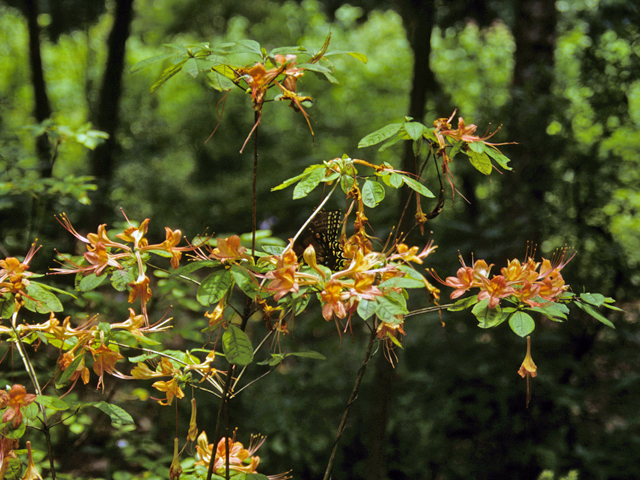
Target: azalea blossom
[
  {"x": 14, "y": 400},
  {"x": 240, "y": 459},
  {"x": 532, "y": 283}
]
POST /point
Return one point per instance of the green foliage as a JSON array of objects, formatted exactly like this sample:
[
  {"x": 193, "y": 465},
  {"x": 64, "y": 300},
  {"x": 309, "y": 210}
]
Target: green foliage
[{"x": 453, "y": 399}]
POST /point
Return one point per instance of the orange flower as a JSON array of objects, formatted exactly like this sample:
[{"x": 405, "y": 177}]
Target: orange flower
[
  {"x": 104, "y": 361},
  {"x": 494, "y": 290},
  {"x": 332, "y": 297},
  {"x": 229, "y": 250},
  {"x": 136, "y": 235},
  {"x": 13, "y": 401},
  {"x": 240, "y": 459},
  {"x": 140, "y": 288},
  {"x": 31, "y": 473},
  {"x": 171, "y": 388},
  {"x": 528, "y": 369},
  {"x": 13, "y": 273}
]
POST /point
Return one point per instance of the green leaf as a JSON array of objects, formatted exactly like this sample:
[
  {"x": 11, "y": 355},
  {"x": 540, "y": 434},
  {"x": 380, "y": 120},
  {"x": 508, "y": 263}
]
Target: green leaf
[
  {"x": 372, "y": 193},
  {"x": 417, "y": 186},
  {"x": 218, "y": 81},
  {"x": 521, "y": 323},
  {"x": 594, "y": 313},
  {"x": 366, "y": 308},
  {"x": 150, "y": 61},
  {"x": 250, "y": 46},
  {"x": 295, "y": 179},
  {"x": 346, "y": 183},
  {"x": 295, "y": 50},
  {"x": 390, "y": 142},
  {"x": 391, "y": 305},
  {"x": 167, "y": 74},
  {"x": 53, "y": 403},
  {"x": 498, "y": 157},
  {"x": 214, "y": 287},
  {"x": 488, "y": 317},
  {"x": 273, "y": 249},
  {"x": 307, "y": 354},
  {"x": 403, "y": 282},
  {"x": 237, "y": 346},
  {"x": 245, "y": 281},
  {"x": 7, "y": 305},
  {"x": 120, "y": 279},
  {"x": 299, "y": 303},
  {"x": 480, "y": 161},
  {"x": 463, "y": 304},
  {"x": 91, "y": 282},
  {"x": 309, "y": 183},
  {"x": 395, "y": 180},
  {"x": 414, "y": 130},
  {"x": 255, "y": 476},
  {"x": 380, "y": 135},
  {"x": 119, "y": 416},
  {"x": 191, "y": 67},
  {"x": 594, "y": 299},
  {"x": 193, "y": 266},
  {"x": 553, "y": 311},
  {"x": 43, "y": 300},
  {"x": 358, "y": 56}
]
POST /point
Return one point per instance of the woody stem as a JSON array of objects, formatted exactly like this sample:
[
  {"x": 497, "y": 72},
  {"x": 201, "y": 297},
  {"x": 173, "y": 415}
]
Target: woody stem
[
  {"x": 352, "y": 398},
  {"x": 32, "y": 375}
]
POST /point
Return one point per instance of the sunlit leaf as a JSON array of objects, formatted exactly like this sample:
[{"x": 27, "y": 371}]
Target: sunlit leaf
[
  {"x": 167, "y": 74},
  {"x": 372, "y": 193},
  {"x": 214, "y": 287},
  {"x": 308, "y": 354},
  {"x": 366, "y": 308},
  {"x": 417, "y": 186},
  {"x": 380, "y": 135},
  {"x": 191, "y": 67},
  {"x": 480, "y": 161},
  {"x": 41, "y": 301},
  {"x": 150, "y": 61},
  {"x": 308, "y": 184},
  {"x": 53, "y": 403},
  {"x": 521, "y": 323},
  {"x": 415, "y": 130},
  {"x": 358, "y": 56},
  {"x": 498, "y": 157},
  {"x": 91, "y": 282}
]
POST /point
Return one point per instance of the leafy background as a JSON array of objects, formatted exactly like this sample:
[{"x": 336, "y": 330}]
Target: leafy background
[{"x": 454, "y": 406}]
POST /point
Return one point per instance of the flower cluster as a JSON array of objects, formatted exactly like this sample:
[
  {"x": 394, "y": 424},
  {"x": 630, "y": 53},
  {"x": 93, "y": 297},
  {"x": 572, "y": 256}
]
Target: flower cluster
[
  {"x": 103, "y": 252},
  {"x": 240, "y": 459},
  {"x": 532, "y": 283},
  {"x": 370, "y": 283},
  {"x": 14, "y": 276}
]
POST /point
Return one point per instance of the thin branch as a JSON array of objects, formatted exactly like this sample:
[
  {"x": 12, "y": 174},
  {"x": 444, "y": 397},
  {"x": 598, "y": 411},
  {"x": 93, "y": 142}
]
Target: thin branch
[{"x": 352, "y": 398}]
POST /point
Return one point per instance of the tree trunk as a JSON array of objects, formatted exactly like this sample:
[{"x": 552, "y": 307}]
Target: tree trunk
[
  {"x": 529, "y": 114},
  {"x": 42, "y": 108},
  {"x": 418, "y": 18},
  {"x": 107, "y": 117}
]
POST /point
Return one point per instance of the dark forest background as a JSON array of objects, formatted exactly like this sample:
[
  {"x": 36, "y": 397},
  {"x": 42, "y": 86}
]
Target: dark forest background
[{"x": 563, "y": 80}]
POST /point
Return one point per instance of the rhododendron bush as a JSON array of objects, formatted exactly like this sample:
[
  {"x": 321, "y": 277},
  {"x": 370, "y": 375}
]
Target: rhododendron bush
[{"x": 335, "y": 266}]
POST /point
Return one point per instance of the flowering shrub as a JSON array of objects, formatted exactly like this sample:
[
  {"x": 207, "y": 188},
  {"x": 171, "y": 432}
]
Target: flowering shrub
[{"x": 353, "y": 278}]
